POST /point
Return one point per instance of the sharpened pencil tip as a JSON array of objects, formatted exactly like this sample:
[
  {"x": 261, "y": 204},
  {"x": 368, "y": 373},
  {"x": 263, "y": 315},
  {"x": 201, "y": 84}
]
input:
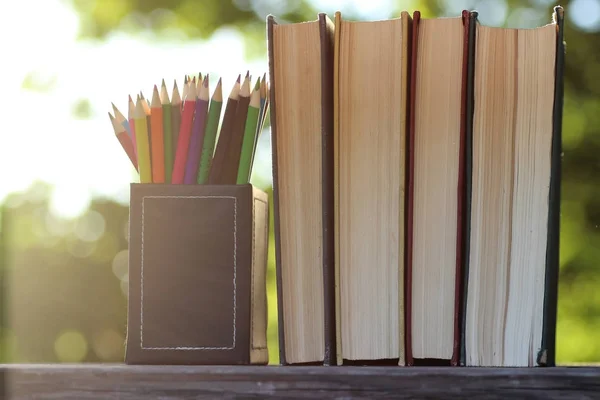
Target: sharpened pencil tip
[
  {"x": 239, "y": 78},
  {"x": 163, "y": 83},
  {"x": 257, "y": 85},
  {"x": 205, "y": 83},
  {"x": 247, "y": 73}
]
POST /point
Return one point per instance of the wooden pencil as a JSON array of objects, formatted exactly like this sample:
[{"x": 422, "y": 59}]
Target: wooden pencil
[
  {"x": 167, "y": 132},
  {"x": 197, "y": 138},
  {"x": 121, "y": 120},
  {"x": 184, "y": 93},
  {"x": 157, "y": 138},
  {"x": 223, "y": 141},
  {"x": 124, "y": 139},
  {"x": 185, "y": 131},
  {"x": 210, "y": 136},
  {"x": 232, "y": 159},
  {"x": 175, "y": 119},
  {"x": 130, "y": 113},
  {"x": 147, "y": 111},
  {"x": 244, "y": 165},
  {"x": 143, "y": 144},
  {"x": 259, "y": 125}
]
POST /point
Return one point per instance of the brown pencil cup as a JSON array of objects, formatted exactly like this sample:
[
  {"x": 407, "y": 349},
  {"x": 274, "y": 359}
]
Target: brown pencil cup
[{"x": 197, "y": 275}]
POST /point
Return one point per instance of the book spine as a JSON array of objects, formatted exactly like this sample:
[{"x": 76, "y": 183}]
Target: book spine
[
  {"x": 461, "y": 195},
  {"x": 336, "y": 185},
  {"x": 326, "y": 35},
  {"x": 468, "y": 173},
  {"x": 546, "y": 356},
  {"x": 273, "y": 115},
  {"x": 410, "y": 191}
]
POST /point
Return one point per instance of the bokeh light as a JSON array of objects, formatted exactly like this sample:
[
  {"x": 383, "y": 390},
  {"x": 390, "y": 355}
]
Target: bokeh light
[
  {"x": 585, "y": 14},
  {"x": 71, "y": 346}
]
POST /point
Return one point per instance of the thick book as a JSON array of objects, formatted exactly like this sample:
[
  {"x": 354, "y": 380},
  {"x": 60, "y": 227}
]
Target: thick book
[
  {"x": 301, "y": 102},
  {"x": 435, "y": 195},
  {"x": 513, "y": 189},
  {"x": 371, "y": 74}
]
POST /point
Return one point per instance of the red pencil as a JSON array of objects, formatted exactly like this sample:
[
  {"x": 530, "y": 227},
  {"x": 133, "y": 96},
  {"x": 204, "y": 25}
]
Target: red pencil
[
  {"x": 185, "y": 131},
  {"x": 124, "y": 139}
]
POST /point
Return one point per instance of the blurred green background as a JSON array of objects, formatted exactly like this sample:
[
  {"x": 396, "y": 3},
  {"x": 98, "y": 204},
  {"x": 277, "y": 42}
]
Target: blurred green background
[{"x": 64, "y": 183}]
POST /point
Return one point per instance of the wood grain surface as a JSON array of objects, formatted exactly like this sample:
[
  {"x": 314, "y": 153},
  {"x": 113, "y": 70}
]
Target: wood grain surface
[{"x": 107, "y": 381}]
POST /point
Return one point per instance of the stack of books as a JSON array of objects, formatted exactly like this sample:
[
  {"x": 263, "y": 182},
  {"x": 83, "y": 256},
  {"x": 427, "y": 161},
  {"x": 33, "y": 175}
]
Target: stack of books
[{"x": 416, "y": 168}]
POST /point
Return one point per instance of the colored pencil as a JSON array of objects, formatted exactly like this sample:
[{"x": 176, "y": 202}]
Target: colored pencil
[
  {"x": 221, "y": 151},
  {"x": 210, "y": 136},
  {"x": 130, "y": 113},
  {"x": 244, "y": 166},
  {"x": 121, "y": 120},
  {"x": 175, "y": 121},
  {"x": 232, "y": 159},
  {"x": 197, "y": 138},
  {"x": 259, "y": 125},
  {"x": 157, "y": 138},
  {"x": 167, "y": 135},
  {"x": 143, "y": 144},
  {"x": 185, "y": 131},
  {"x": 124, "y": 139},
  {"x": 184, "y": 93},
  {"x": 147, "y": 111}
]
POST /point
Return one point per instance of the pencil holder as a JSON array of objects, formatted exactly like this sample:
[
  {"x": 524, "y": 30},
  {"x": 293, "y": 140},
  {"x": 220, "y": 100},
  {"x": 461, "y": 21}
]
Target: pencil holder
[{"x": 197, "y": 275}]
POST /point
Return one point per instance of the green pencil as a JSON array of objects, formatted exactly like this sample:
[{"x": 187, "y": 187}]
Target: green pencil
[
  {"x": 210, "y": 135},
  {"x": 249, "y": 134},
  {"x": 175, "y": 122},
  {"x": 167, "y": 136}
]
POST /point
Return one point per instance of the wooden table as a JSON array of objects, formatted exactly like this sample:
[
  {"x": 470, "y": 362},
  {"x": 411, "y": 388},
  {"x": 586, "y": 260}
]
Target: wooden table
[{"x": 113, "y": 381}]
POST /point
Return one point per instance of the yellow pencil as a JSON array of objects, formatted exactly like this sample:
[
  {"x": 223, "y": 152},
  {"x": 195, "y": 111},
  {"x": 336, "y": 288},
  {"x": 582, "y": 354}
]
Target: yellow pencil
[{"x": 143, "y": 144}]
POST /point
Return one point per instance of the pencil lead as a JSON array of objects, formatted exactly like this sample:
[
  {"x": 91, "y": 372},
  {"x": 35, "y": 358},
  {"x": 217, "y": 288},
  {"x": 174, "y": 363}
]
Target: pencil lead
[
  {"x": 191, "y": 93},
  {"x": 245, "y": 90},
  {"x": 238, "y": 78},
  {"x": 185, "y": 79},
  {"x": 163, "y": 83},
  {"x": 205, "y": 83},
  {"x": 164, "y": 95},
  {"x": 155, "y": 98},
  {"x": 257, "y": 85},
  {"x": 175, "y": 98},
  {"x": 218, "y": 94},
  {"x": 139, "y": 109},
  {"x": 247, "y": 74}
]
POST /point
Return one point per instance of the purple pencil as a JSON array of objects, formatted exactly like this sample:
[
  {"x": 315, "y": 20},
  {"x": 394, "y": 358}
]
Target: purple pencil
[{"x": 193, "y": 159}]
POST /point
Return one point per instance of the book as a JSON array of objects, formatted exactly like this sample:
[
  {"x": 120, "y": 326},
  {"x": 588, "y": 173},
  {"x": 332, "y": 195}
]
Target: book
[
  {"x": 370, "y": 113},
  {"x": 436, "y": 188},
  {"x": 514, "y": 187},
  {"x": 301, "y": 101}
]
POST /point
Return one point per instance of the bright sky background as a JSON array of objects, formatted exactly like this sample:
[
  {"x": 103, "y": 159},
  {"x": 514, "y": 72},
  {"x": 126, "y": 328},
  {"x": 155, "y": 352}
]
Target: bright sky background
[{"x": 41, "y": 140}]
